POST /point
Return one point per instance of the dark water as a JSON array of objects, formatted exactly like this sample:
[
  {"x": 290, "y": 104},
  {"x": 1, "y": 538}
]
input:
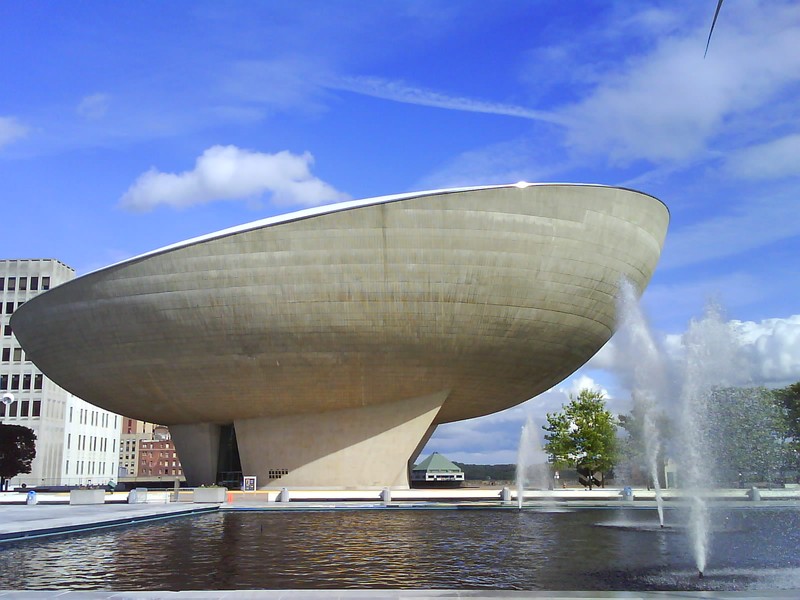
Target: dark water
[{"x": 500, "y": 549}]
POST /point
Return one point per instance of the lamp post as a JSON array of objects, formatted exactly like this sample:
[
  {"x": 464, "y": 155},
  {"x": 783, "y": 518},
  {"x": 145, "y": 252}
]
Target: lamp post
[{"x": 8, "y": 400}]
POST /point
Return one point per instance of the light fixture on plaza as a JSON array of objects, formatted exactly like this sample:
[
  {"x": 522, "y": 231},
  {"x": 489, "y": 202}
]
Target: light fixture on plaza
[{"x": 8, "y": 400}]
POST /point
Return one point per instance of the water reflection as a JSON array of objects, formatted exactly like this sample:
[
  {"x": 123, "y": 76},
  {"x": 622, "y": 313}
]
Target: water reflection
[{"x": 753, "y": 549}]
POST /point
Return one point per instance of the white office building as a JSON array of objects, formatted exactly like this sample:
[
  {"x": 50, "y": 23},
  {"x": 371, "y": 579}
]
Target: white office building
[{"x": 76, "y": 443}]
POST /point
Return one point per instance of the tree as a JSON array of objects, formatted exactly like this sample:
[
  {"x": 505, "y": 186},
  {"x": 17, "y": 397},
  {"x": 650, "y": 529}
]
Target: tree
[
  {"x": 582, "y": 435},
  {"x": 745, "y": 432},
  {"x": 789, "y": 399},
  {"x": 632, "y": 448},
  {"x": 17, "y": 451}
]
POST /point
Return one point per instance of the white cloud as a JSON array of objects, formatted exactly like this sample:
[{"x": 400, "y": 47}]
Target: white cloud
[
  {"x": 582, "y": 382},
  {"x": 668, "y": 104},
  {"x": 282, "y": 84},
  {"x": 11, "y": 130},
  {"x": 773, "y": 349},
  {"x": 94, "y": 106},
  {"x": 504, "y": 162},
  {"x": 768, "y": 352},
  {"x": 231, "y": 173},
  {"x": 399, "y": 91},
  {"x": 494, "y": 438},
  {"x": 762, "y": 221},
  {"x": 770, "y": 160}
]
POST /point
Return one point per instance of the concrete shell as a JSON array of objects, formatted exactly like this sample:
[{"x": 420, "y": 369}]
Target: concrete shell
[{"x": 480, "y": 297}]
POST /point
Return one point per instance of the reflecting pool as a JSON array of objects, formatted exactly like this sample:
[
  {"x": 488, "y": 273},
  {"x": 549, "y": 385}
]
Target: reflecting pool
[{"x": 587, "y": 549}]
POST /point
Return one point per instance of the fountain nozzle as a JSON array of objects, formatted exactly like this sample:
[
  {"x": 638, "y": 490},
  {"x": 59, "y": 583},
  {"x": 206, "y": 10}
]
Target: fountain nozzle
[{"x": 700, "y": 574}]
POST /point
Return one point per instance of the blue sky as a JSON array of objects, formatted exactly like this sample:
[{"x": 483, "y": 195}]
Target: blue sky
[{"x": 128, "y": 126}]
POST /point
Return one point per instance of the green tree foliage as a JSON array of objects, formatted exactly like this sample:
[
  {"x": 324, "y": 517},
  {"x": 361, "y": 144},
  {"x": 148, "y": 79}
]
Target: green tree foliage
[
  {"x": 17, "y": 451},
  {"x": 746, "y": 433},
  {"x": 789, "y": 399},
  {"x": 582, "y": 435},
  {"x": 488, "y": 472},
  {"x": 631, "y": 448}
]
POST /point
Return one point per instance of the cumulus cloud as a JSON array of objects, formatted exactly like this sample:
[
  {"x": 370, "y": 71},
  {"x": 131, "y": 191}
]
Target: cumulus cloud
[
  {"x": 773, "y": 349},
  {"x": 771, "y": 160},
  {"x": 11, "y": 130},
  {"x": 231, "y": 173},
  {"x": 494, "y": 439},
  {"x": 768, "y": 350},
  {"x": 94, "y": 106},
  {"x": 669, "y": 103}
]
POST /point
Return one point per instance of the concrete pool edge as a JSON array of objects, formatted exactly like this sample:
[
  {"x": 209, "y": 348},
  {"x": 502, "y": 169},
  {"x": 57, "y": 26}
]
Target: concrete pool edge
[{"x": 398, "y": 594}]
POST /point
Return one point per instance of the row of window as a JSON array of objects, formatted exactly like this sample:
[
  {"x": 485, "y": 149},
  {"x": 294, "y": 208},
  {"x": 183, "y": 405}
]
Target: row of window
[
  {"x": 89, "y": 465},
  {"x": 94, "y": 442},
  {"x": 277, "y": 473},
  {"x": 93, "y": 417},
  {"x": 23, "y": 283},
  {"x": 158, "y": 472},
  {"x": 22, "y": 408},
  {"x": 160, "y": 463},
  {"x": 10, "y": 307},
  {"x": 19, "y": 355},
  {"x": 26, "y": 380}
]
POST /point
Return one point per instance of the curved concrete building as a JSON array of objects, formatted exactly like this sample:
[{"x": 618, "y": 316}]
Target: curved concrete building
[{"x": 334, "y": 340}]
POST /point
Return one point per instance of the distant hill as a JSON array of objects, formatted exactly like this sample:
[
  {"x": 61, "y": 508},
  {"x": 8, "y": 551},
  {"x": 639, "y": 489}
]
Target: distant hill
[{"x": 488, "y": 472}]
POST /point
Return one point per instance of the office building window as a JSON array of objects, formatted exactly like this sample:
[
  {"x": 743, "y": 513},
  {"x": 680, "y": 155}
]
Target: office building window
[
  {"x": 45, "y": 283},
  {"x": 17, "y": 354},
  {"x": 2, "y": 283},
  {"x": 66, "y": 468},
  {"x": 12, "y": 284},
  {"x": 9, "y": 308},
  {"x": 26, "y": 381},
  {"x": 15, "y": 382},
  {"x": 37, "y": 381},
  {"x": 6, "y": 354},
  {"x": 23, "y": 284},
  {"x": 25, "y": 407},
  {"x": 34, "y": 283},
  {"x": 7, "y": 330},
  {"x": 3, "y": 382},
  {"x": 36, "y": 408}
]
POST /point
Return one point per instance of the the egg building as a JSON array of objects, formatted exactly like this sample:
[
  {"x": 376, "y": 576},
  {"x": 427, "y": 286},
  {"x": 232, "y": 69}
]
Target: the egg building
[{"x": 323, "y": 347}]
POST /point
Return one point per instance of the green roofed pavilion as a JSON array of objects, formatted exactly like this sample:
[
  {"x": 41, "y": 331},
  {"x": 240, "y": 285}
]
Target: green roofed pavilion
[{"x": 436, "y": 469}]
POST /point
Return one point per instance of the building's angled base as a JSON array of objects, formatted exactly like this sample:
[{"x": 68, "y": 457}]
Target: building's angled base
[{"x": 367, "y": 448}]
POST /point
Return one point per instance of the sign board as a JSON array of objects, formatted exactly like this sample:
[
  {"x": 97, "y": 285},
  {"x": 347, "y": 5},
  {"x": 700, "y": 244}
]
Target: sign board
[{"x": 249, "y": 484}]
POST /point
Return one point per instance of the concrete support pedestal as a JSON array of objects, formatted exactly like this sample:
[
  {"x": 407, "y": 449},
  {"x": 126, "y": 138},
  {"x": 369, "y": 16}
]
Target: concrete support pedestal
[{"x": 366, "y": 448}]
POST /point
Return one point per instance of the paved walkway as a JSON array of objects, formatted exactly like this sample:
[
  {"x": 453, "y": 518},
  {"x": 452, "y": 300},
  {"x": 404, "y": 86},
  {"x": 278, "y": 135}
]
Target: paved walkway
[{"x": 22, "y": 521}]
